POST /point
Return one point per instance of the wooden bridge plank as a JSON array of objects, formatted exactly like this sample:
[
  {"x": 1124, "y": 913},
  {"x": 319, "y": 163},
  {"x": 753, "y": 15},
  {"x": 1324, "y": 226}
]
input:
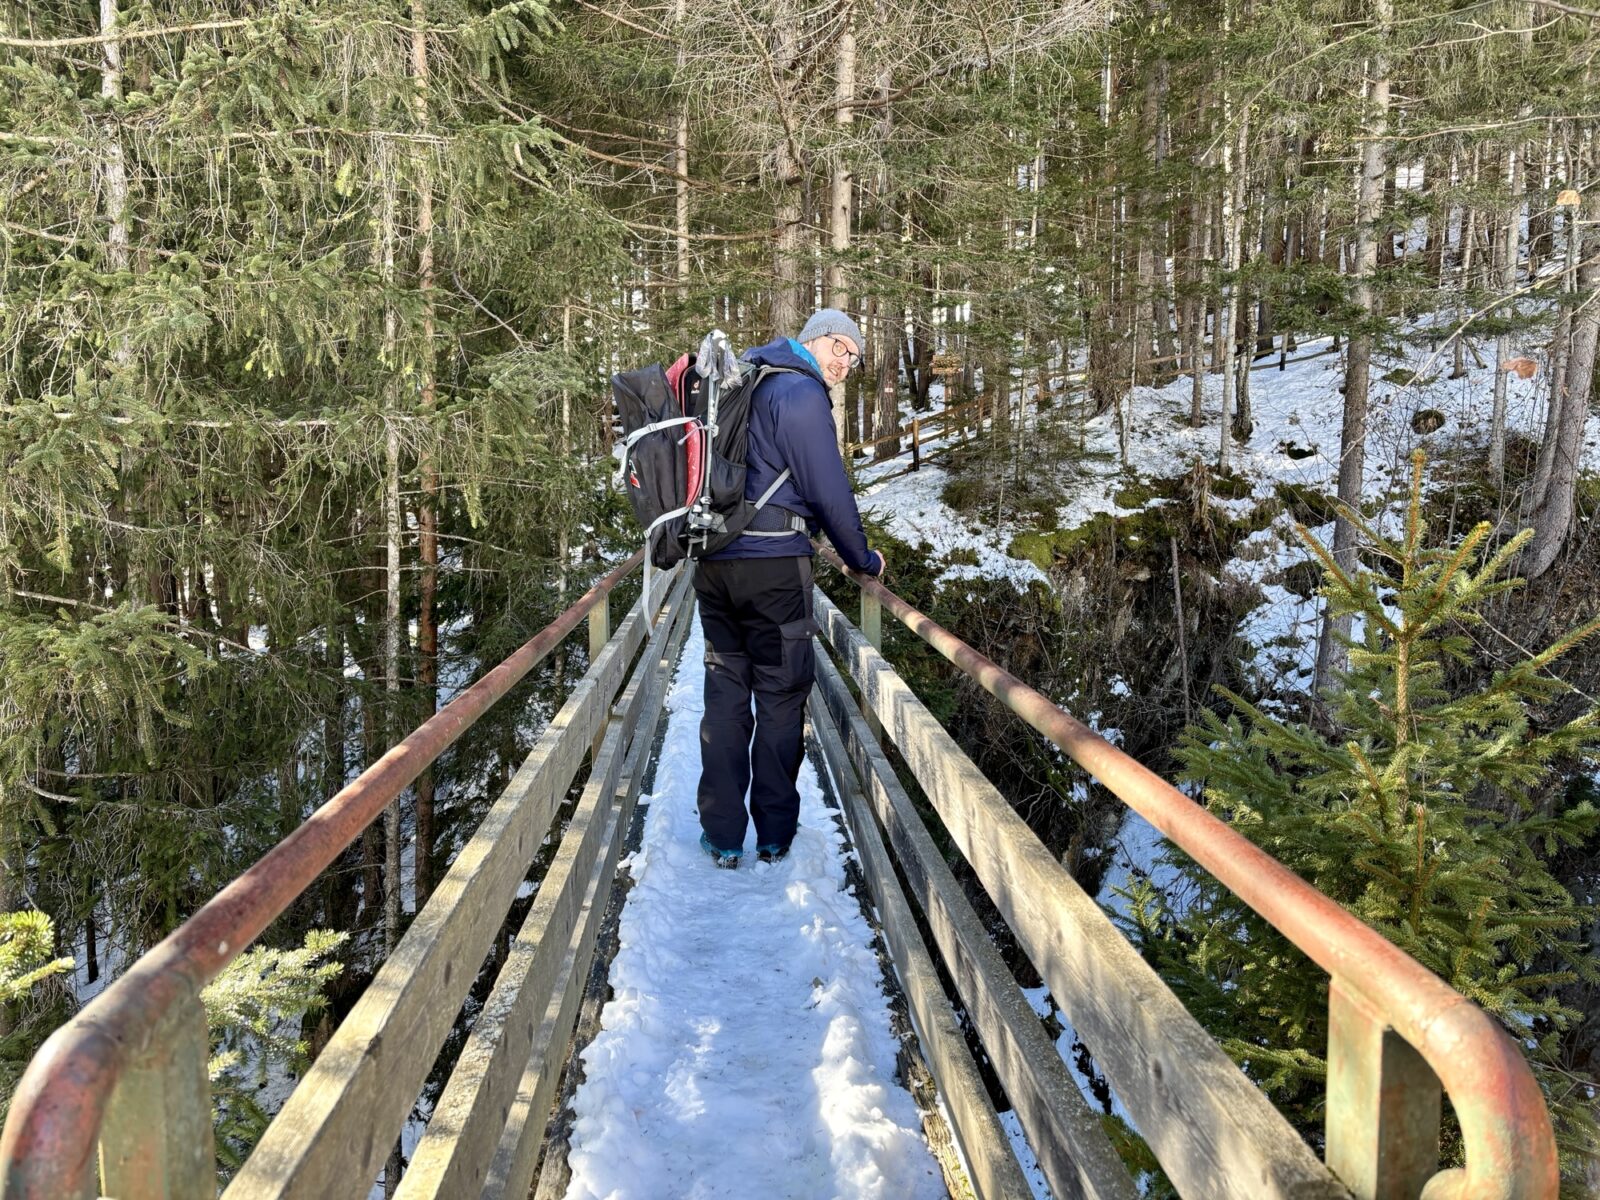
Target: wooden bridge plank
[
  {"x": 1067, "y": 1138},
  {"x": 991, "y": 1166},
  {"x": 453, "y": 1157},
  {"x": 1214, "y": 1133},
  {"x": 511, "y": 1173},
  {"x": 333, "y": 1134}
]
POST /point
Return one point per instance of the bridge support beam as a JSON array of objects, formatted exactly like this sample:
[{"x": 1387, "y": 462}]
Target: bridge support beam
[
  {"x": 156, "y": 1142},
  {"x": 1383, "y": 1103}
]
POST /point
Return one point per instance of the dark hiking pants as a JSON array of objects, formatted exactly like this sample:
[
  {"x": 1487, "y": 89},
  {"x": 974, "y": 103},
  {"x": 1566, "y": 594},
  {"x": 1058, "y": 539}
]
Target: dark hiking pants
[{"x": 756, "y": 614}]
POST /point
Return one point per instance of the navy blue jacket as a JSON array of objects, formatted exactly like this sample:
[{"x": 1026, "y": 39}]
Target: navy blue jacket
[{"x": 791, "y": 425}]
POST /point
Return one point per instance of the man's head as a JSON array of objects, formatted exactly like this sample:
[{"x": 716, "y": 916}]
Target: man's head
[{"x": 835, "y": 341}]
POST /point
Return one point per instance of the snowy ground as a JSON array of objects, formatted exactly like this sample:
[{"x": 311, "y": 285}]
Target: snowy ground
[
  {"x": 747, "y": 1050},
  {"x": 1297, "y": 414}
]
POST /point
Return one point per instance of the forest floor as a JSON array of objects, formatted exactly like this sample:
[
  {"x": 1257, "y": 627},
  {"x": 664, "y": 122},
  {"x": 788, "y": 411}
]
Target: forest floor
[
  {"x": 747, "y": 1049},
  {"x": 1292, "y": 452}
]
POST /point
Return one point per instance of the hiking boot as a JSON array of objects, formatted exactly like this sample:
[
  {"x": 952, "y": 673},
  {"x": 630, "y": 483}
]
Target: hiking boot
[
  {"x": 727, "y": 859},
  {"x": 773, "y": 853}
]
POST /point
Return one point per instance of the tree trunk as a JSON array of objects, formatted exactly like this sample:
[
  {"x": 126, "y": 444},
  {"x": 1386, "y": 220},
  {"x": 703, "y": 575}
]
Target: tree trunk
[
  {"x": 371, "y": 659},
  {"x": 1151, "y": 298},
  {"x": 919, "y": 368},
  {"x": 1270, "y": 248},
  {"x": 844, "y": 86},
  {"x": 1469, "y": 238},
  {"x": 680, "y": 158},
  {"x": 338, "y": 911},
  {"x": 1234, "y": 169},
  {"x": 428, "y": 510},
  {"x": 1162, "y": 300},
  {"x": 114, "y": 166},
  {"x": 886, "y": 389},
  {"x": 391, "y": 593},
  {"x": 1331, "y": 653},
  {"x": 1560, "y": 350},
  {"x": 1199, "y": 245},
  {"x": 1243, "y": 422},
  {"x": 1555, "y": 507},
  {"x": 786, "y": 313},
  {"x": 91, "y": 946},
  {"x": 885, "y": 401},
  {"x": 1295, "y": 238},
  {"x": 1502, "y": 349},
  {"x": 387, "y": 233},
  {"x": 1541, "y": 216}
]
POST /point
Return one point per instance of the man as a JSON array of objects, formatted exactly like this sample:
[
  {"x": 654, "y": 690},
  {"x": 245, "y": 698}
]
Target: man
[{"x": 755, "y": 596}]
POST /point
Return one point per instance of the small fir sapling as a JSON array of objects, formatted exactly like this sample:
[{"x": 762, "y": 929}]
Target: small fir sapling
[{"x": 1432, "y": 812}]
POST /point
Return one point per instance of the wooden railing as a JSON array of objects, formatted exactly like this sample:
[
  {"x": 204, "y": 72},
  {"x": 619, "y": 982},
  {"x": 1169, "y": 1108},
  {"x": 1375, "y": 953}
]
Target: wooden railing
[
  {"x": 1397, "y": 1031},
  {"x": 956, "y": 417},
  {"x": 126, "y": 1076}
]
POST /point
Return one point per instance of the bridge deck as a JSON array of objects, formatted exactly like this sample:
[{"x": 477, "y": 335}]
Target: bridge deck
[{"x": 747, "y": 1049}]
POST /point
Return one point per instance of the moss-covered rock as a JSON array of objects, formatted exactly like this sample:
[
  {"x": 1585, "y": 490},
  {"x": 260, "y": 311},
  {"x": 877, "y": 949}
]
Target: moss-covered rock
[
  {"x": 1037, "y": 548},
  {"x": 1308, "y": 505},
  {"x": 1231, "y": 486},
  {"x": 1137, "y": 493}
]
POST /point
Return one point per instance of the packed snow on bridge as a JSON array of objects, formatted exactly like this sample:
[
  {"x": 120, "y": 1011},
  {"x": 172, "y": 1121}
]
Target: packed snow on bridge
[{"x": 747, "y": 1049}]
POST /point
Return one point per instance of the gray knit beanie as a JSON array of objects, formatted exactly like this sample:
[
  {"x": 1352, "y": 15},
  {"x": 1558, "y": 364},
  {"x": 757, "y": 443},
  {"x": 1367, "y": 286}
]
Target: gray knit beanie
[{"x": 827, "y": 321}]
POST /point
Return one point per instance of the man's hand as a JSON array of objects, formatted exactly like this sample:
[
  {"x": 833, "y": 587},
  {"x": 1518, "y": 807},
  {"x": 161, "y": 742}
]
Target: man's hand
[{"x": 882, "y": 573}]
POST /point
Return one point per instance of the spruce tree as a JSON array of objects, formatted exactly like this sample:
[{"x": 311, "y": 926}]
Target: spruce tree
[
  {"x": 1431, "y": 812},
  {"x": 254, "y": 1011}
]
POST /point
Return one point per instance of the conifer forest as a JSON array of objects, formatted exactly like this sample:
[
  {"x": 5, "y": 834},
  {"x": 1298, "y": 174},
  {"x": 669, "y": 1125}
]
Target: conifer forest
[{"x": 1230, "y": 376}]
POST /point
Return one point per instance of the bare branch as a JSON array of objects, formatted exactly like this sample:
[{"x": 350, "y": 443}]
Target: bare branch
[{"x": 121, "y": 35}]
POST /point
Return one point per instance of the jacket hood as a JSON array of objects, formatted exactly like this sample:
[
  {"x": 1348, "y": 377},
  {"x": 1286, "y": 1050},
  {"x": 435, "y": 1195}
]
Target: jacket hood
[{"x": 778, "y": 353}]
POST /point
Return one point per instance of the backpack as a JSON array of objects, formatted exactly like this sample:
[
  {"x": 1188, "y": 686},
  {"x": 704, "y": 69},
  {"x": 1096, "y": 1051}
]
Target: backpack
[{"x": 686, "y": 432}]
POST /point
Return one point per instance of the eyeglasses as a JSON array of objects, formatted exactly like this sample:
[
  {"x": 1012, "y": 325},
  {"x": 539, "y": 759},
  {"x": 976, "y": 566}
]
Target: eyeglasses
[{"x": 841, "y": 349}]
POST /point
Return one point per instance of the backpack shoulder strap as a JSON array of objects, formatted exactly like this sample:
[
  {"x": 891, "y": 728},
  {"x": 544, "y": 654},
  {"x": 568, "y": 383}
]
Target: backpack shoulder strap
[{"x": 766, "y": 369}]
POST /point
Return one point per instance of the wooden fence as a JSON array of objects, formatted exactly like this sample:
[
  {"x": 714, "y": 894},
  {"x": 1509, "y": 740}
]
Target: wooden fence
[{"x": 334, "y": 1133}]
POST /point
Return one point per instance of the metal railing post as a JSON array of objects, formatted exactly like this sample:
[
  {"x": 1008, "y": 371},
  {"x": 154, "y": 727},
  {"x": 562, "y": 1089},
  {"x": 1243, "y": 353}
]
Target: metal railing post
[
  {"x": 599, "y": 635},
  {"x": 1383, "y": 1103},
  {"x": 156, "y": 1142}
]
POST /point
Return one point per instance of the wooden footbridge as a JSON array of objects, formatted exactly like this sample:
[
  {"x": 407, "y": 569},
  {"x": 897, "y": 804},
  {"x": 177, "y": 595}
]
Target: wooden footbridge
[{"x": 116, "y": 1103}]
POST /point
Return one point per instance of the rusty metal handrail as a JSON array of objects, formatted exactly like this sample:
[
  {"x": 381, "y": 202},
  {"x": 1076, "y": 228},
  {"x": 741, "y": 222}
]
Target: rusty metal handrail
[
  {"x": 47, "y": 1150},
  {"x": 1510, "y": 1145}
]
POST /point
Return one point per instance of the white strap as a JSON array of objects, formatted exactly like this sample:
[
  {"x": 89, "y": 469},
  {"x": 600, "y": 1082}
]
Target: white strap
[
  {"x": 776, "y": 484},
  {"x": 657, "y": 427},
  {"x": 648, "y": 569}
]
